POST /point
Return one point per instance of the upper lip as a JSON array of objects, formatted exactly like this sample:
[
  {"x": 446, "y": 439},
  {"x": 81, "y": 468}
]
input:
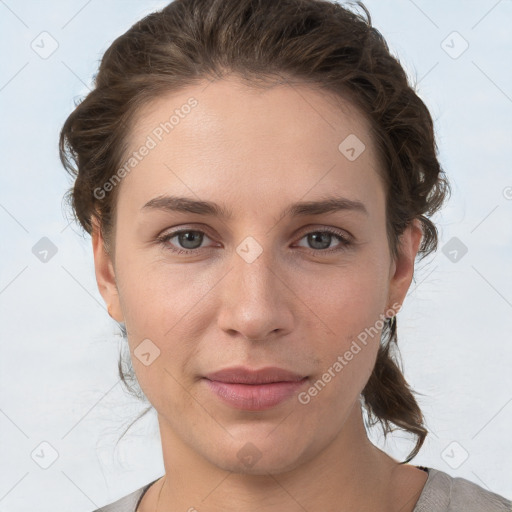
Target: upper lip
[{"x": 244, "y": 375}]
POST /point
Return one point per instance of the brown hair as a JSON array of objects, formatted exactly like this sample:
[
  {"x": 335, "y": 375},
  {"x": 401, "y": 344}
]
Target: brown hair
[{"x": 315, "y": 42}]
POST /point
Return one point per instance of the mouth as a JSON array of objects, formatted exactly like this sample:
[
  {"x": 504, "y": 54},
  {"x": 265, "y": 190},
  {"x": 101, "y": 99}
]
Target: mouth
[{"x": 254, "y": 390}]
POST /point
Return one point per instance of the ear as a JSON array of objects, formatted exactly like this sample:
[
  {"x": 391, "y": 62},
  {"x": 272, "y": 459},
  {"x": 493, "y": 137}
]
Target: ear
[
  {"x": 105, "y": 274},
  {"x": 402, "y": 268}
]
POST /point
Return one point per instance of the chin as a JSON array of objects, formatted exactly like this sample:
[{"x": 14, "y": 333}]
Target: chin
[{"x": 256, "y": 454}]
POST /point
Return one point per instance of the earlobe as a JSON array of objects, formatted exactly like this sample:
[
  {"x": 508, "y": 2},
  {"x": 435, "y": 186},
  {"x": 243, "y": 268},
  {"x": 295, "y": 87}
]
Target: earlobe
[{"x": 105, "y": 274}]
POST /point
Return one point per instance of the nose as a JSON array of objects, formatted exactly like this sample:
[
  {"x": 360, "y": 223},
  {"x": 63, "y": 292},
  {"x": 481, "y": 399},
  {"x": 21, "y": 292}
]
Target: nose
[{"x": 255, "y": 299}]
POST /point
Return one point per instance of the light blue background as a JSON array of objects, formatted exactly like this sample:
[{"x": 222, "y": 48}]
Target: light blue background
[{"x": 58, "y": 364}]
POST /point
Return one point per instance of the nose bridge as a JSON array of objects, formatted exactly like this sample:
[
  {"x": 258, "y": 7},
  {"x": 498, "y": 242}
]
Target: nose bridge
[{"x": 254, "y": 268}]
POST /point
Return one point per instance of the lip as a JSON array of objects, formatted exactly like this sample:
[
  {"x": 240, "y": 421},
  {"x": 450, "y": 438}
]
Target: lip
[
  {"x": 244, "y": 375},
  {"x": 254, "y": 390}
]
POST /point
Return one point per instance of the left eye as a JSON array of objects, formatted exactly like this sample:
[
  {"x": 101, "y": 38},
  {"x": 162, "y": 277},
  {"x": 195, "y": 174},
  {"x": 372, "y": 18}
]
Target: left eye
[
  {"x": 320, "y": 238},
  {"x": 190, "y": 240}
]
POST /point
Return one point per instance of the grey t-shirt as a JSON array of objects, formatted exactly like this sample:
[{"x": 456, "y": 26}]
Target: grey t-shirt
[{"x": 441, "y": 493}]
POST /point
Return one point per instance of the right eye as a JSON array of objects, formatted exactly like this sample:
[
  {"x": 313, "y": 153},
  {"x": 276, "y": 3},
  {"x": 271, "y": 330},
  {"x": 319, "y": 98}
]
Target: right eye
[{"x": 189, "y": 239}]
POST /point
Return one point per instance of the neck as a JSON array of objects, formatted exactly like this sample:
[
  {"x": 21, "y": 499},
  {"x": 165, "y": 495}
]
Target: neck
[{"x": 350, "y": 473}]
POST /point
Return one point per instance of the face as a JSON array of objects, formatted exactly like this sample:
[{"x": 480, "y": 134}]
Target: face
[{"x": 263, "y": 285}]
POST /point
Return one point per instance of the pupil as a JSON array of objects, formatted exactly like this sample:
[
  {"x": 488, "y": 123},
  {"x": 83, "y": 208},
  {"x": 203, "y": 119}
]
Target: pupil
[
  {"x": 189, "y": 236},
  {"x": 323, "y": 237}
]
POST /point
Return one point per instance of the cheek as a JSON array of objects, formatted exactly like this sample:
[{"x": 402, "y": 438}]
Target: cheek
[
  {"x": 347, "y": 323},
  {"x": 344, "y": 300},
  {"x": 346, "y": 359},
  {"x": 166, "y": 313},
  {"x": 156, "y": 297}
]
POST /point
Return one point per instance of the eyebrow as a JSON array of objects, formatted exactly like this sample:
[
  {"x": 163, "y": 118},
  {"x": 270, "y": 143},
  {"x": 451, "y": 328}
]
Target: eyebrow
[{"x": 304, "y": 208}]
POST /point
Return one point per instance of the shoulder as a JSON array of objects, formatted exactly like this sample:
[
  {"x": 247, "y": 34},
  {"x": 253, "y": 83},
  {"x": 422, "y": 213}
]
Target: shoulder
[
  {"x": 444, "y": 493},
  {"x": 128, "y": 503}
]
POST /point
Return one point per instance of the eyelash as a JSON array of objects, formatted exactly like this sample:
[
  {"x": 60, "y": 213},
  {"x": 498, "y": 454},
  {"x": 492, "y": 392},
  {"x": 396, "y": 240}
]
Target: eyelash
[{"x": 345, "y": 242}]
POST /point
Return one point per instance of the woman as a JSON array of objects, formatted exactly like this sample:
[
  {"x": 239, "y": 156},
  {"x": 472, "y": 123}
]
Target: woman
[{"x": 257, "y": 178}]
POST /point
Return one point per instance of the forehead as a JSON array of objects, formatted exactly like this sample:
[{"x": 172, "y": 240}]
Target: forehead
[
  {"x": 224, "y": 135},
  {"x": 216, "y": 109}
]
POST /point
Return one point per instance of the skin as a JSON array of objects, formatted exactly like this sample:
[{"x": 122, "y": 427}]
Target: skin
[{"x": 295, "y": 306}]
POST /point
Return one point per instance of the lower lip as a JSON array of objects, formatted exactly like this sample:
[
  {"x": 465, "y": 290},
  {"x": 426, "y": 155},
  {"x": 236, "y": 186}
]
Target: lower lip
[{"x": 254, "y": 397}]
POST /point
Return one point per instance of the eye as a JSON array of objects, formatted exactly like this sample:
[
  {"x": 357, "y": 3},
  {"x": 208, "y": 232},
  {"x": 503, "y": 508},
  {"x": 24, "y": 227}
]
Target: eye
[
  {"x": 188, "y": 238},
  {"x": 321, "y": 240},
  {"x": 191, "y": 240}
]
